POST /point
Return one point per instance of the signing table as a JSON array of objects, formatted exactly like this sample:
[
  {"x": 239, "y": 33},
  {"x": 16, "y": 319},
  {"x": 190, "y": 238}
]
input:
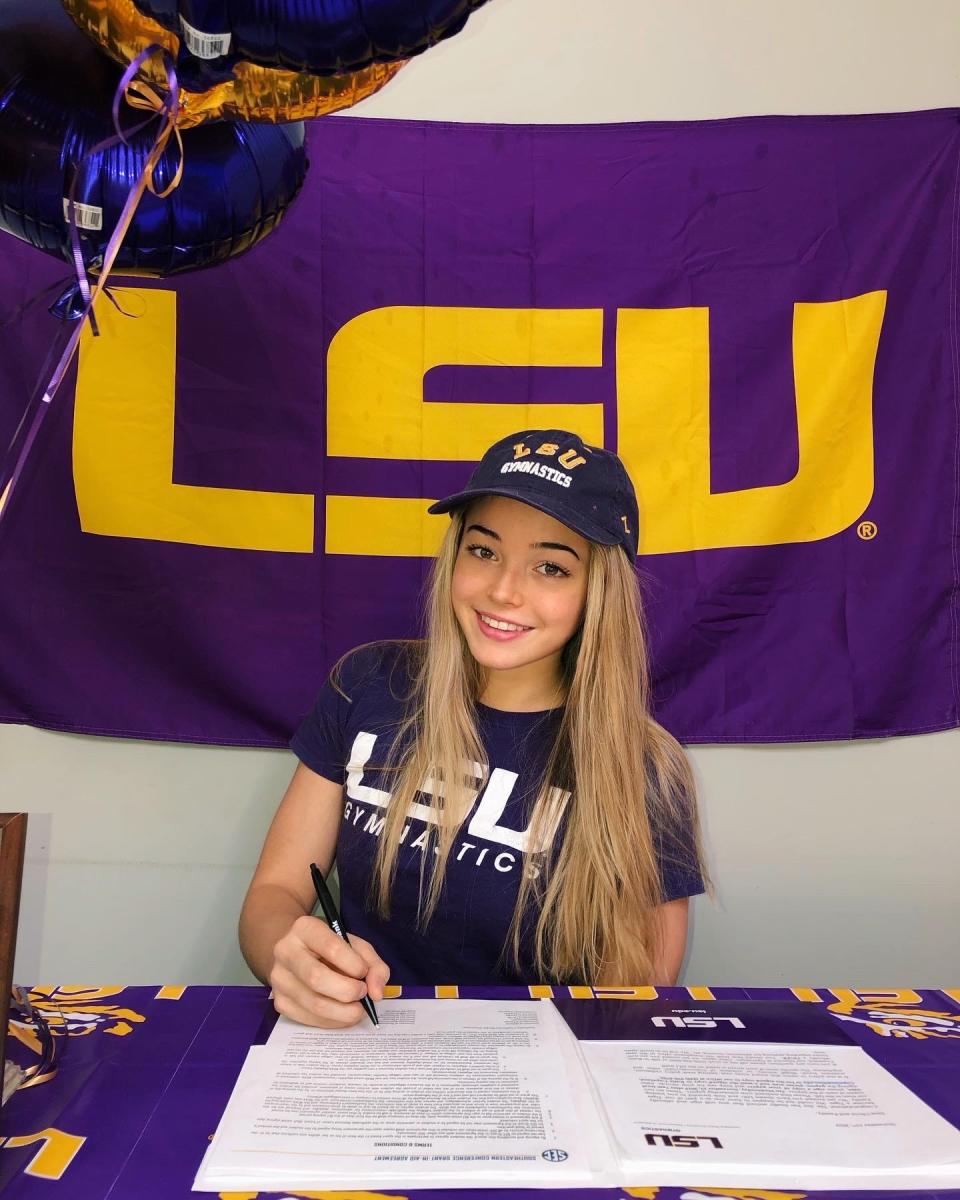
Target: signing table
[{"x": 144, "y": 1074}]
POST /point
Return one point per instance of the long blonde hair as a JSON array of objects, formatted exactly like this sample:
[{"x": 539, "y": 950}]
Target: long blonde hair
[{"x": 632, "y": 806}]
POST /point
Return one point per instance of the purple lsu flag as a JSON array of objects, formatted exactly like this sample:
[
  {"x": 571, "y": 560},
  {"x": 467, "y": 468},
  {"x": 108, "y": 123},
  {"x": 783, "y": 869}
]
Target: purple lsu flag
[{"x": 759, "y": 315}]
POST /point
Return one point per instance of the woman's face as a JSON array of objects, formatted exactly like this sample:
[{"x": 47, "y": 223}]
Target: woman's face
[{"x": 519, "y": 584}]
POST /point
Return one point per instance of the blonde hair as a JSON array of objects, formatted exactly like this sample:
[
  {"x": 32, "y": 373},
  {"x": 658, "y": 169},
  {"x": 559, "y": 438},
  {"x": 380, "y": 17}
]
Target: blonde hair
[{"x": 632, "y": 807}]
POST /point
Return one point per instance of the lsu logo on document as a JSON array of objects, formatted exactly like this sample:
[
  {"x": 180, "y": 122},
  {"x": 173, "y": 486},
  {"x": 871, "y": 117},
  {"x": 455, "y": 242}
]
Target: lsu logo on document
[
  {"x": 684, "y": 1141},
  {"x": 375, "y": 367}
]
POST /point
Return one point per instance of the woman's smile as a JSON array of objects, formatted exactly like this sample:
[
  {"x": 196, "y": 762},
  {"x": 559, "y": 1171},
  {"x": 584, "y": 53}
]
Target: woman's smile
[{"x": 499, "y": 629}]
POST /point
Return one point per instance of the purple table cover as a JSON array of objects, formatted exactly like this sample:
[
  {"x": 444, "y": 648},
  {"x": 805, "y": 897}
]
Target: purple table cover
[{"x": 145, "y": 1073}]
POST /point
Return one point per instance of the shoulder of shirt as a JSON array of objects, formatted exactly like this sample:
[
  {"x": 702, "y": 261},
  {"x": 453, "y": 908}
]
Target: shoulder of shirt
[{"x": 392, "y": 663}]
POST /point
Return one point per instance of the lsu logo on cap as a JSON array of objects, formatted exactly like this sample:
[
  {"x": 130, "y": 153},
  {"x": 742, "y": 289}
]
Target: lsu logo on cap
[{"x": 569, "y": 458}]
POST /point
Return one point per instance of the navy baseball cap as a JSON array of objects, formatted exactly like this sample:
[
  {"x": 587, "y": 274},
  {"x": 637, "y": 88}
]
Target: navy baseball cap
[{"x": 584, "y": 487}]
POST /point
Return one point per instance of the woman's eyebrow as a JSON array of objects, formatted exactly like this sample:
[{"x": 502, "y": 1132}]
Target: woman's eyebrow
[
  {"x": 533, "y": 545},
  {"x": 555, "y": 546}
]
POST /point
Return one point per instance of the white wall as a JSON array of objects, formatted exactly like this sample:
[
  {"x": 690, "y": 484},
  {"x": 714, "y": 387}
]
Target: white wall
[{"x": 835, "y": 864}]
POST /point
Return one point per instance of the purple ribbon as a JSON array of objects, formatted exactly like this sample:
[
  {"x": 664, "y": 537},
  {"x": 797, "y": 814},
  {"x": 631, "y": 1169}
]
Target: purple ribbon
[
  {"x": 15, "y": 458},
  {"x": 170, "y": 108}
]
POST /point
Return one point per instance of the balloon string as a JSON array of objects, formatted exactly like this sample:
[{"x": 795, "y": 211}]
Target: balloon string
[
  {"x": 26, "y": 431},
  {"x": 167, "y": 108},
  {"x": 64, "y": 287},
  {"x": 137, "y": 95}
]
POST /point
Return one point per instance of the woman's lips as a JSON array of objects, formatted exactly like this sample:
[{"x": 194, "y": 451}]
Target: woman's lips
[{"x": 500, "y": 635}]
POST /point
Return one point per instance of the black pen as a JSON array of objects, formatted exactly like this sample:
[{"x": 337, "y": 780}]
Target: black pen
[{"x": 332, "y": 918}]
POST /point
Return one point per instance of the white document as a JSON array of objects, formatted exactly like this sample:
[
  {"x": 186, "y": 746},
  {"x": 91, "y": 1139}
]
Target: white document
[
  {"x": 502, "y": 1094},
  {"x": 441, "y": 1093},
  {"x": 803, "y": 1116}
]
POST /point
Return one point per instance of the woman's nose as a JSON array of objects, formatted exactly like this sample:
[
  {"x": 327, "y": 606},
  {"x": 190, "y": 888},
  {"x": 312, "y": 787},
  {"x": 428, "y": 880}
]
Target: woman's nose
[{"x": 506, "y": 588}]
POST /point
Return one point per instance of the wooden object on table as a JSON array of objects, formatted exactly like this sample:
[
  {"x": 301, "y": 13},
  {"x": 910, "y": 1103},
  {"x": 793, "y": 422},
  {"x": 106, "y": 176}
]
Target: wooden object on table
[{"x": 13, "y": 836}]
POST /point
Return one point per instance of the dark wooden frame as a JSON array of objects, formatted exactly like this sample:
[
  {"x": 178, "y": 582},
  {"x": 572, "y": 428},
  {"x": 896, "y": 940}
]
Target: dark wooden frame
[{"x": 13, "y": 836}]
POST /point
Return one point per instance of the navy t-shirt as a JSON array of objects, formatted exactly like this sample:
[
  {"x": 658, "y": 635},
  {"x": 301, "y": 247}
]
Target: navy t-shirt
[{"x": 346, "y": 737}]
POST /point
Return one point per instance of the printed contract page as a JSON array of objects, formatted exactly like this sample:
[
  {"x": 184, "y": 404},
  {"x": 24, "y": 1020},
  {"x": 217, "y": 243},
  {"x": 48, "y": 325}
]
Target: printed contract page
[
  {"x": 454, "y": 1093},
  {"x": 755, "y": 1094}
]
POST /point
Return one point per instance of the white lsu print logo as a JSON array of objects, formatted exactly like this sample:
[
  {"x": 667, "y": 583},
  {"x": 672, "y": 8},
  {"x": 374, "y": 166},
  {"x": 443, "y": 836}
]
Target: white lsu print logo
[
  {"x": 485, "y": 821},
  {"x": 697, "y": 1022}
]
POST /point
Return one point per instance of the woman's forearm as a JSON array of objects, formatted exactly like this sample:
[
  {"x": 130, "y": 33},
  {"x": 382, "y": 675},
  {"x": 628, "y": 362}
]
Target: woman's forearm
[
  {"x": 268, "y": 912},
  {"x": 305, "y": 827}
]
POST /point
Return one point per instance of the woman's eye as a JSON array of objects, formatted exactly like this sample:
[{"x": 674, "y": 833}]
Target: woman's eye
[
  {"x": 553, "y": 570},
  {"x": 480, "y": 551}
]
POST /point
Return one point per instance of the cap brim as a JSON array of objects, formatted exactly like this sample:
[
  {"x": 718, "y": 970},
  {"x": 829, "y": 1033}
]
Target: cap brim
[{"x": 593, "y": 533}]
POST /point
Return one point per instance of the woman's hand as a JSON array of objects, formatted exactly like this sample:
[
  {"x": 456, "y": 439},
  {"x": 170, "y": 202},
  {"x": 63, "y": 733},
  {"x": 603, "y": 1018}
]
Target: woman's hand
[{"x": 318, "y": 979}]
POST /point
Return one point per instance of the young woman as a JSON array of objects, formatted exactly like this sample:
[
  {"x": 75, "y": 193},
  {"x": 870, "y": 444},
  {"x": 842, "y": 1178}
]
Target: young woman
[{"x": 501, "y": 804}]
